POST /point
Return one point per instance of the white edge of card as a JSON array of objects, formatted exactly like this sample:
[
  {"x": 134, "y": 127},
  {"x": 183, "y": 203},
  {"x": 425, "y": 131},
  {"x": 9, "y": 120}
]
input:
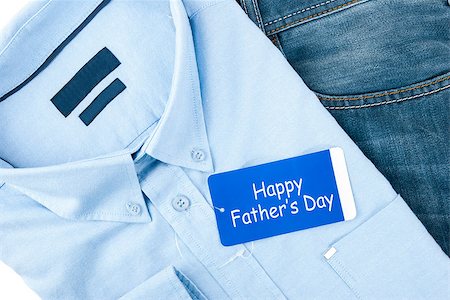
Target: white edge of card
[{"x": 343, "y": 183}]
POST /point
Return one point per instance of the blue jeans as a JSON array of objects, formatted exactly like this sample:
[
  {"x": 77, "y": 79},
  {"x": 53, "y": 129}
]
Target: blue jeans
[{"x": 382, "y": 69}]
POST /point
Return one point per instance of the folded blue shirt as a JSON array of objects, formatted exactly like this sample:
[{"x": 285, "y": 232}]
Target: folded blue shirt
[{"x": 112, "y": 111}]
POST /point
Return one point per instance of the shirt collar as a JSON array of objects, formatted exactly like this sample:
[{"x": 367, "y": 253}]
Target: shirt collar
[
  {"x": 107, "y": 187},
  {"x": 25, "y": 54},
  {"x": 180, "y": 137}
]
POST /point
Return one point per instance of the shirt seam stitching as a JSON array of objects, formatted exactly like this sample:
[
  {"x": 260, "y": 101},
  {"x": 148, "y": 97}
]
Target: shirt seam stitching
[
  {"x": 58, "y": 43},
  {"x": 343, "y": 273},
  {"x": 205, "y": 7},
  {"x": 220, "y": 271},
  {"x": 22, "y": 28}
]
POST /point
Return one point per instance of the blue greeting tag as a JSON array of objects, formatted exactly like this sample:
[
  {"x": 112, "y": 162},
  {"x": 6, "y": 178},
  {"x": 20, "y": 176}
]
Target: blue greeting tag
[{"x": 282, "y": 196}]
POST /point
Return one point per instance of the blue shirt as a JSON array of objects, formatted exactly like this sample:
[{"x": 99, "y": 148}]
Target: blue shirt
[{"x": 114, "y": 114}]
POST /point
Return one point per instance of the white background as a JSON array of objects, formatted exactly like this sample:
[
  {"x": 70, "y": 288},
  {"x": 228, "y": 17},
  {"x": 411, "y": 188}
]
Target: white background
[{"x": 12, "y": 286}]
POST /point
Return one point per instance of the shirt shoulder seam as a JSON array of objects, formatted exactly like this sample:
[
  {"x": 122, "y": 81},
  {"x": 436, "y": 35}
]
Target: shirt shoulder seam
[{"x": 205, "y": 7}]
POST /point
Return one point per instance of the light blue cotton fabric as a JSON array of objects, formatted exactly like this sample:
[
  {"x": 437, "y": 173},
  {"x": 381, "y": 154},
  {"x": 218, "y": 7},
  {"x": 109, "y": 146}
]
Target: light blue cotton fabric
[{"x": 86, "y": 212}]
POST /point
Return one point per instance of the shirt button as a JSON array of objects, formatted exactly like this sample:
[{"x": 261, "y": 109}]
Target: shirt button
[
  {"x": 181, "y": 203},
  {"x": 198, "y": 155},
  {"x": 133, "y": 208}
]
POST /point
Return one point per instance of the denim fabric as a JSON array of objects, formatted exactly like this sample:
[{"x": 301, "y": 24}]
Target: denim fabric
[
  {"x": 88, "y": 211},
  {"x": 382, "y": 70}
]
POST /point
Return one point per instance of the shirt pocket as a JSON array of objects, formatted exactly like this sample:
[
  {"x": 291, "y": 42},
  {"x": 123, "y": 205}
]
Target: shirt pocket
[
  {"x": 390, "y": 255},
  {"x": 168, "y": 283}
]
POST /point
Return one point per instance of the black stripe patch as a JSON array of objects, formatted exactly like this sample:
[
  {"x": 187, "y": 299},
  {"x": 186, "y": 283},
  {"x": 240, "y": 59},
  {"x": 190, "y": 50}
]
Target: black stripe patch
[
  {"x": 84, "y": 81},
  {"x": 101, "y": 101}
]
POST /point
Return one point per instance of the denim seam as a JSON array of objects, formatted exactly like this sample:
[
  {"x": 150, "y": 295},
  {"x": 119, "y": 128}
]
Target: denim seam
[
  {"x": 276, "y": 41},
  {"x": 382, "y": 94},
  {"x": 273, "y": 39},
  {"x": 244, "y": 6},
  {"x": 389, "y": 101},
  {"x": 299, "y": 12},
  {"x": 313, "y": 16},
  {"x": 258, "y": 15}
]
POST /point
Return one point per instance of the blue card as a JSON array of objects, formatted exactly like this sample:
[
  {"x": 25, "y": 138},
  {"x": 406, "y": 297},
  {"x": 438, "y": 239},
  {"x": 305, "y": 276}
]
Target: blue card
[{"x": 282, "y": 196}]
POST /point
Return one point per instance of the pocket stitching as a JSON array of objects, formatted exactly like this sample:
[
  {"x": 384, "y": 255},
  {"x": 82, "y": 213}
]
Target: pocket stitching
[
  {"x": 341, "y": 271},
  {"x": 382, "y": 94},
  {"x": 389, "y": 101}
]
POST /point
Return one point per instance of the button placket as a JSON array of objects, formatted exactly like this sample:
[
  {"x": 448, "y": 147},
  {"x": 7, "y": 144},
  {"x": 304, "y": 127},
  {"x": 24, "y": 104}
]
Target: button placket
[{"x": 196, "y": 226}]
